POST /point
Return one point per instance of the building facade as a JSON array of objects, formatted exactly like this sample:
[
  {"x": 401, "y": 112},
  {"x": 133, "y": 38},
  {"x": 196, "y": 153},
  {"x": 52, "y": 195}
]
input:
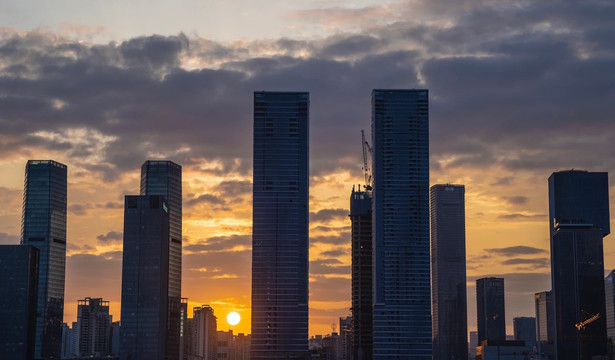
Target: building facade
[
  {"x": 524, "y": 329},
  {"x": 402, "y": 296},
  {"x": 609, "y": 292},
  {"x": 579, "y": 214},
  {"x": 205, "y": 330},
  {"x": 145, "y": 278},
  {"x": 93, "y": 327},
  {"x": 545, "y": 327},
  {"x": 44, "y": 227},
  {"x": 165, "y": 178},
  {"x": 490, "y": 309},
  {"x": 280, "y": 225},
  {"x": 18, "y": 299},
  {"x": 448, "y": 272},
  {"x": 361, "y": 228}
]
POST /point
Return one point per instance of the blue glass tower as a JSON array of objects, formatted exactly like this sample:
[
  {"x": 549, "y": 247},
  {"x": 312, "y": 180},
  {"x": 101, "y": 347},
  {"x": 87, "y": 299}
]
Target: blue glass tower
[
  {"x": 402, "y": 296},
  {"x": 280, "y": 226},
  {"x": 44, "y": 227}
]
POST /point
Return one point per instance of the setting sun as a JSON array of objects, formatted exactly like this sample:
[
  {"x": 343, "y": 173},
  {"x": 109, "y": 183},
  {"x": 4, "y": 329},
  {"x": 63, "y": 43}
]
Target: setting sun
[{"x": 233, "y": 318}]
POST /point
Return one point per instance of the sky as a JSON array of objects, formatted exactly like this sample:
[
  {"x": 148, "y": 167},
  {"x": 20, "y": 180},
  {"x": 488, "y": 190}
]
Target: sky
[{"x": 518, "y": 90}]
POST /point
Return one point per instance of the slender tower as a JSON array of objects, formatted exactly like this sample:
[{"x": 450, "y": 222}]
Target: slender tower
[
  {"x": 44, "y": 227},
  {"x": 280, "y": 226},
  {"x": 448, "y": 272},
  {"x": 402, "y": 296}
]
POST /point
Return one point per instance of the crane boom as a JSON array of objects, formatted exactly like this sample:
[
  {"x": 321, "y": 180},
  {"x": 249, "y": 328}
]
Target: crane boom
[
  {"x": 366, "y": 169},
  {"x": 581, "y": 326}
]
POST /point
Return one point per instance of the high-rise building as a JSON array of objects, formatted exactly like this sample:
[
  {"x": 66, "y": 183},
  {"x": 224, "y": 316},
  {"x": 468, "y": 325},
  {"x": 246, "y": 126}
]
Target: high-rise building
[
  {"x": 68, "y": 348},
  {"x": 525, "y": 330},
  {"x": 345, "y": 346},
  {"x": 93, "y": 327},
  {"x": 44, "y": 227},
  {"x": 280, "y": 225},
  {"x": 225, "y": 348},
  {"x": 609, "y": 292},
  {"x": 579, "y": 213},
  {"x": 145, "y": 278},
  {"x": 165, "y": 178},
  {"x": 545, "y": 326},
  {"x": 448, "y": 273},
  {"x": 18, "y": 297},
  {"x": 402, "y": 296},
  {"x": 490, "y": 309},
  {"x": 473, "y": 344},
  {"x": 206, "y": 333},
  {"x": 361, "y": 227},
  {"x": 182, "y": 327}
]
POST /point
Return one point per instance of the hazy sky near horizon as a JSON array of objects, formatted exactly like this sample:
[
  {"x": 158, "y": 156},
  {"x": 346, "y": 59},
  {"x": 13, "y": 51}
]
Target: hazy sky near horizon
[{"x": 517, "y": 91}]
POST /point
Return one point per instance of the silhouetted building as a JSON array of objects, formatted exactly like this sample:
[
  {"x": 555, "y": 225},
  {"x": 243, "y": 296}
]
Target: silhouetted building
[
  {"x": 473, "y": 344},
  {"x": 448, "y": 272},
  {"x": 182, "y": 327},
  {"x": 490, "y": 309},
  {"x": 500, "y": 350},
  {"x": 402, "y": 296},
  {"x": 145, "y": 277},
  {"x": 361, "y": 227},
  {"x": 345, "y": 348},
  {"x": 44, "y": 227},
  {"x": 115, "y": 338},
  {"x": 525, "y": 330},
  {"x": 609, "y": 291},
  {"x": 280, "y": 225},
  {"x": 68, "y": 342},
  {"x": 225, "y": 345},
  {"x": 93, "y": 327},
  {"x": 545, "y": 326},
  {"x": 579, "y": 213},
  {"x": 18, "y": 298},
  {"x": 205, "y": 329},
  {"x": 165, "y": 178}
]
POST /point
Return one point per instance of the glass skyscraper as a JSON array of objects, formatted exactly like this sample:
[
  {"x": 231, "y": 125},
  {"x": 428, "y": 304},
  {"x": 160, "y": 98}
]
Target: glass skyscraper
[
  {"x": 448, "y": 272},
  {"x": 165, "y": 178},
  {"x": 280, "y": 226},
  {"x": 44, "y": 227},
  {"x": 490, "y": 309},
  {"x": 402, "y": 296},
  {"x": 545, "y": 327},
  {"x": 579, "y": 213}
]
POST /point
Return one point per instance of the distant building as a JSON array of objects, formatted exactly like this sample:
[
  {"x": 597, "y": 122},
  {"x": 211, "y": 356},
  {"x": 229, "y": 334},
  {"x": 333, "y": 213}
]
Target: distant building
[
  {"x": 402, "y": 295},
  {"x": 115, "y": 338},
  {"x": 44, "y": 227},
  {"x": 93, "y": 327},
  {"x": 473, "y": 344},
  {"x": 183, "y": 335},
  {"x": 545, "y": 327},
  {"x": 68, "y": 342},
  {"x": 490, "y": 309},
  {"x": 361, "y": 227},
  {"x": 609, "y": 290},
  {"x": 225, "y": 346},
  {"x": 19, "y": 273},
  {"x": 345, "y": 346},
  {"x": 500, "y": 350},
  {"x": 145, "y": 276},
  {"x": 525, "y": 330},
  {"x": 206, "y": 333},
  {"x": 579, "y": 214},
  {"x": 448, "y": 272},
  {"x": 242, "y": 346},
  {"x": 189, "y": 339}
]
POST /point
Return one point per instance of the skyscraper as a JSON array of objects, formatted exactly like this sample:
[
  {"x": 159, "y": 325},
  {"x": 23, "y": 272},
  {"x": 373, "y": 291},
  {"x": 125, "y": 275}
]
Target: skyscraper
[
  {"x": 545, "y": 327},
  {"x": 490, "y": 310},
  {"x": 579, "y": 213},
  {"x": 402, "y": 298},
  {"x": 165, "y": 178},
  {"x": 18, "y": 288},
  {"x": 93, "y": 327},
  {"x": 206, "y": 333},
  {"x": 361, "y": 227},
  {"x": 448, "y": 272},
  {"x": 145, "y": 278},
  {"x": 280, "y": 225},
  {"x": 525, "y": 330},
  {"x": 44, "y": 227}
]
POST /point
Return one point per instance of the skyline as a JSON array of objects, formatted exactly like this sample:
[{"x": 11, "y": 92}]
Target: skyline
[{"x": 87, "y": 105}]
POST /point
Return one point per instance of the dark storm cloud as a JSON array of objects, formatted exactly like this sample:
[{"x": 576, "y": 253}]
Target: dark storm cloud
[
  {"x": 515, "y": 200},
  {"x": 516, "y": 250},
  {"x": 111, "y": 236},
  {"x": 326, "y": 215}
]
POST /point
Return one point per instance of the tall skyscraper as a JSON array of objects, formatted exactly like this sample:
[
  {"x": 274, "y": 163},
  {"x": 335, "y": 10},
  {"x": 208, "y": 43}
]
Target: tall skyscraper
[
  {"x": 18, "y": 290},
  {"x": 545, "y": 327},
  {"x": 609, "y": 292},
  {"x": 145, "y": 278},
  {"x": 93, "y": 327},
  {"x": 402, "y": 296},
  {"x": 448, "y": 272},
  {"x": 44, "y": 227},
  {"x": 525, "y": 330},
  {"x": 280, "y": 225},
  {"x": 206, "y": 332},
  {"x": 165, "y": 178},
  {"x": 579, "y": 213},
  {"x": 361, "y": 227},
  {"x": 490, "y": 310}
]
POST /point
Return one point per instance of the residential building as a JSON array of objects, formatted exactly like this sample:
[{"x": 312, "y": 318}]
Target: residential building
[
  {"x": 206, "y": 333},
  {"x": 545, "y": 327},
  {"x": 448, "y": 272},
  {"x": 280, "y": 225},
  {"x": 402, "y": 295},
  {"x": 473, "y": 344},
  {"x": 490, "y": 309},
  {"x": 345, "y": 345},
  {"x": 93, "y": 327},
  {"x": 44, "y": 227},
  {"x": 145, "y": 277},
  {"x": 225, "y": 346},
  {"x": 525, "y": 330}
]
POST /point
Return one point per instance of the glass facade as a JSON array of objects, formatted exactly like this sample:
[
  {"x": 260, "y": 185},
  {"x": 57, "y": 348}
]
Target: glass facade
[
  {"x": 525, "y": 330},
  {"x": 490, "y": 311},
  {"x": 165, "y": 178},
  {"x": 544, "y": 323},
  {"x": 402, "y": 295},
  {"x": 44, "y": 227},
  {"x": 18, "y": 289},
  {"x": 145, "y": 278},
  {"x": 448, "y": 272},
  {"x": 280, "y": 226},
  {"x": 361, "y": 219}
]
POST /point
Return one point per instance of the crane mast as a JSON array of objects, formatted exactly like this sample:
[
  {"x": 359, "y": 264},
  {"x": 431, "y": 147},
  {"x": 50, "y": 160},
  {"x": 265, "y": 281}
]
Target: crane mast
[{"x": 366, "y": 170}]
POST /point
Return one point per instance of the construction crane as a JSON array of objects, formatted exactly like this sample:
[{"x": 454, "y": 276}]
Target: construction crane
[
  {"x": 366, "y": 170},
  {"x": 581, "y": 325},
  {"x": 584, "y": 346}
]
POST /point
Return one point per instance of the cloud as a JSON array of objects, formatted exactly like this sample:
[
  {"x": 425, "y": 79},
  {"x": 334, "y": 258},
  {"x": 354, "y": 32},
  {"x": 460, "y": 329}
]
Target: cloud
[
  {"x": 206, "y": 199},
  {"x": 343, "y": 238},
  {"x": 503, "y": 181},
  {"x": 523, "y": 217},
  {"x": 111, "y": 236},
  {"x": 326, "y": 215},
  {"x": 232, "y": 243},
  {"x": 539, "y": 262},
  {"x": 515, "y": 200},
  {"x": 516, "y": 250}
]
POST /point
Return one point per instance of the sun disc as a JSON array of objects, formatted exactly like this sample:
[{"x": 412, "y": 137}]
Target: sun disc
[{"x": 233, "y": 318}]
